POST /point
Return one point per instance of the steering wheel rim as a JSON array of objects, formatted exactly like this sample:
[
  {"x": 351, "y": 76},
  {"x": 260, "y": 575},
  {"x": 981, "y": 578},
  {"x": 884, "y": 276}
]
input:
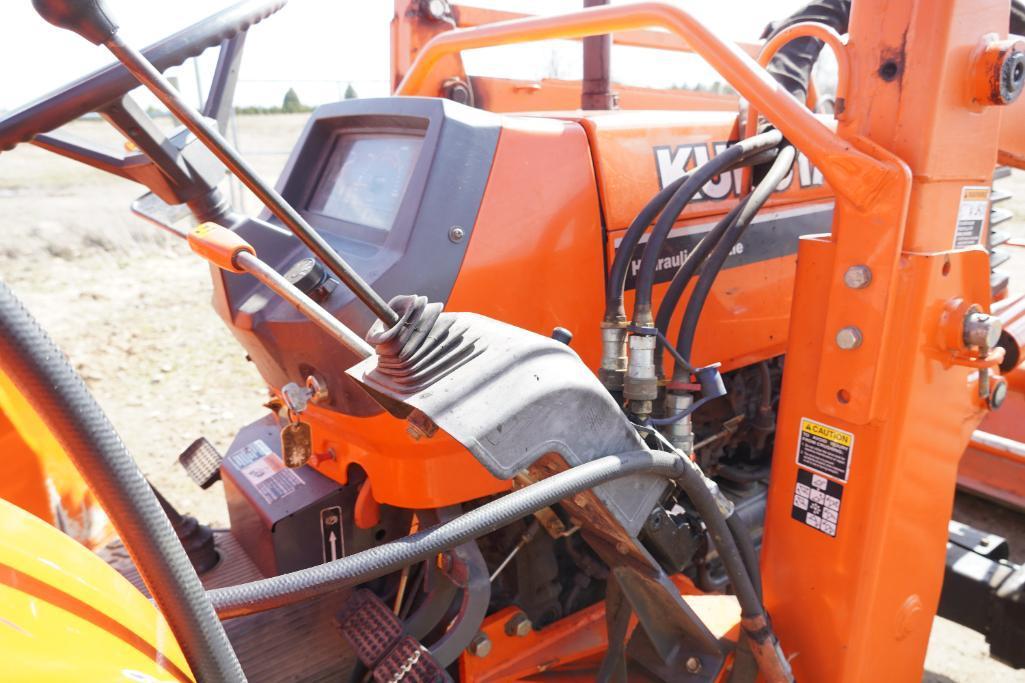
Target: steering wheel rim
[{"x": 95, "y": 90}]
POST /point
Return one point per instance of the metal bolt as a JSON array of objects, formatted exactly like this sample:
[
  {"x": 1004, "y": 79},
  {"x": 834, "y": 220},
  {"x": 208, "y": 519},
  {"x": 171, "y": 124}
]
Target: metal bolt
[
  {"x": 480, "y": 646},
  {"x": 437, "y": 9},
  {"x": 848, "y": 338},
  {"x": 580, "y": 500},
  {"x": 857, "y": 277},
  {"x": 981, "y": 330},
  {"x": 456, "y": 234},
  {"x": 693, "y": 665},
  {"x": 998, "y": 393},
  {"x": 518, "y": 625},
  {"x": 1012, "y": 76},
  {"x": 622, "y": 548}
]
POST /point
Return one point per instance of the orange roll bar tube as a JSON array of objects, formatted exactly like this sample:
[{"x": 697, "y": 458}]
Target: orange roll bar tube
[{"x": 856, "y": 175}]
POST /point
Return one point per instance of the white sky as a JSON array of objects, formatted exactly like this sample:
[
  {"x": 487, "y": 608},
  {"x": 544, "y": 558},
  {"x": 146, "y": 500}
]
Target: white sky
[{"x": 320, "y": 46}]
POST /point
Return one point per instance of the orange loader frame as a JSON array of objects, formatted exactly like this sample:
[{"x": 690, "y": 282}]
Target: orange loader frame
[{"x": 918, "y": 121}]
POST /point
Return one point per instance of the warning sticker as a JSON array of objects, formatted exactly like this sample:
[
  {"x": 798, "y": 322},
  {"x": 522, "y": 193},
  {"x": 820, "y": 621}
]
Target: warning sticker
[
  {"x": 971, "y": 216},
  {"x": 265, "y": 471},
  {"x": 825, "y": 449},
  {"x": 817, "y": 502}
]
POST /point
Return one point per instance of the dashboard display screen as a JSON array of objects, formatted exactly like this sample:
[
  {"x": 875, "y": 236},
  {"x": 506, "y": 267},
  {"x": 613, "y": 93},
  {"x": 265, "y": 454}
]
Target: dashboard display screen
[{"x": 365, "y": 178}]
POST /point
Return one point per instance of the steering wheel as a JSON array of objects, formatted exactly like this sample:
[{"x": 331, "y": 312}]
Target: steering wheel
[{"x": 110, "y": 83}]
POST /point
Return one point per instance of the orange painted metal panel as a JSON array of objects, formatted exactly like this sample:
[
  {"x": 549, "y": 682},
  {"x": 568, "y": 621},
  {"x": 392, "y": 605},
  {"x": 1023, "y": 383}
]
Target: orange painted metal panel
[
  {"x": 66, "y": 615},
  {"x": 508, "y": 95},
  {"x": 38, "y": 476}
]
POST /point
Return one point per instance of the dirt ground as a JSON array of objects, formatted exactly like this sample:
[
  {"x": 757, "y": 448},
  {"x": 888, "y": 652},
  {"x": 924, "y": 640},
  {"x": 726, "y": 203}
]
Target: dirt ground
[{"x": 130, "y": 307}]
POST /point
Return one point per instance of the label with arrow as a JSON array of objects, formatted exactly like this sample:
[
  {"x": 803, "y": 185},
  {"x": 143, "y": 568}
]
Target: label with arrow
[{"x": 331, "y": 533}]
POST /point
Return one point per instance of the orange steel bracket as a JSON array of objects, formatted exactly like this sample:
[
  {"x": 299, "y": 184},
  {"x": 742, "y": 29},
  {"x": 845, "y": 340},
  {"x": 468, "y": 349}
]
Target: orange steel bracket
[{"x": 857, "y": 601}]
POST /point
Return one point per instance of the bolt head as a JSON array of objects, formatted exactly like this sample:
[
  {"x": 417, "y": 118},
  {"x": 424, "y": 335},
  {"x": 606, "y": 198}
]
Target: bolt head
[
  {"x": 480, "y": 646},
  {"x": 982, "y": 330},
  {"x": 456, "y": 234},
  {"x": 857, "y": 277},
  {"x": 849, "y": 338},
  {"x": 693, "y": 665},
  {"x": 518, "y": 625},
  {"x": 580, "y": 500},
  {"x": 436, "y": 8}
]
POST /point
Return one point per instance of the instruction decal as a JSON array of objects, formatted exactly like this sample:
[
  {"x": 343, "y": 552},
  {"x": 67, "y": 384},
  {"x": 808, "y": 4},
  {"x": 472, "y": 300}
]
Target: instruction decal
[
  {"x": 971, "y": 216},
  {"x": 265, "y": 471},
  {"x": 817, "y": 502},
  {"x": 333, "y": 542},
  {"x": 824, "y": 449}
]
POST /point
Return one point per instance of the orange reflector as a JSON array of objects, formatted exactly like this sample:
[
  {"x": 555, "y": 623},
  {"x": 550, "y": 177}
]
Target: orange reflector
[{"x": 219, "y": 246}]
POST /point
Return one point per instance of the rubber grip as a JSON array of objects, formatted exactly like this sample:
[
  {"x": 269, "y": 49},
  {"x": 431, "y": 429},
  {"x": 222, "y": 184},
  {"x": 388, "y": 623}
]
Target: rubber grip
[{"x": 219, "y": 246}]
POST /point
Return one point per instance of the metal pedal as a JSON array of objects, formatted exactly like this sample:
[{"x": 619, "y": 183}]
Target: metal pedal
[
  {"x": 410, "y": 662},
  {"x": 369, "y": 626},
  {"x": 202, "y": 462}
]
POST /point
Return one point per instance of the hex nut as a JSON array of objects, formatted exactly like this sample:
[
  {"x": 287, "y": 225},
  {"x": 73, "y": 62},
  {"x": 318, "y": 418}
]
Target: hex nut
[
  {"x": 518, "y": 625},
  {"x": 849, "y": 338},
  {"x": 857, "y": 277}
]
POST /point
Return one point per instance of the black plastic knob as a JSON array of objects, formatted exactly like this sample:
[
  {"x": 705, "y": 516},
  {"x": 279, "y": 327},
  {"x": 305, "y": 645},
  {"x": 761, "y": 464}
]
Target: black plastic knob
[
  {"x": 90, "y": 19},
  {"x": 311, "y": 278},
  {"x": 561, "y": 334}
]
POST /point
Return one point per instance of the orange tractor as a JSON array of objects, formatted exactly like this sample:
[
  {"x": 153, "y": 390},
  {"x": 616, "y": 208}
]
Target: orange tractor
[{"x": 633, "y": 390}]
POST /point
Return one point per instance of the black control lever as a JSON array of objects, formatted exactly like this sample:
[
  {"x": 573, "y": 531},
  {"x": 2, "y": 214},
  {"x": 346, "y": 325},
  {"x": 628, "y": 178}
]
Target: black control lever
[
  {"x": 88, "y": 18},
  {"x": 93, "y": 21}
]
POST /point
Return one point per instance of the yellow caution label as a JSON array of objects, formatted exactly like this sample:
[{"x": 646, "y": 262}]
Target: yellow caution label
[
  {"x": 836, "y": 435},
  {"x": 824, "y": 449}
]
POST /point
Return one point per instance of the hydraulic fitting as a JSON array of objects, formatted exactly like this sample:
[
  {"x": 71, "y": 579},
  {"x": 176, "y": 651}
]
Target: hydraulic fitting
[
  {"x": 679, "y": 433},
  {"x": 613, "y": 356},
  {"x": 641, "y": 385}
]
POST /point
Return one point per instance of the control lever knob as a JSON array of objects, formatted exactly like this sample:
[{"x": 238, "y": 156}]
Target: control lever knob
[{"x": 90, "y": 19}]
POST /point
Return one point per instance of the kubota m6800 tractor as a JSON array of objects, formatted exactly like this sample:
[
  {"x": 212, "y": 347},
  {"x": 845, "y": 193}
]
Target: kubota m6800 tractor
[{"x": 572, "y": 380}]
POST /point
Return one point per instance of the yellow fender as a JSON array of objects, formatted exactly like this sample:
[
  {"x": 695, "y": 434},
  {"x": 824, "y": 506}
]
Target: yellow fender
[{"x": 66, "y": 615}]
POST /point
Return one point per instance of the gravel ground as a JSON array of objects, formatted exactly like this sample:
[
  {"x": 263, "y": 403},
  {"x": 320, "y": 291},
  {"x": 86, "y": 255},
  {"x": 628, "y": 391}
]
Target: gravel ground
[{"x": 130, "y": 307}]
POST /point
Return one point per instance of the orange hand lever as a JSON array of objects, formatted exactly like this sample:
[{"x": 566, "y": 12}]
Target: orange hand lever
[{"x": 219, "y": 246}]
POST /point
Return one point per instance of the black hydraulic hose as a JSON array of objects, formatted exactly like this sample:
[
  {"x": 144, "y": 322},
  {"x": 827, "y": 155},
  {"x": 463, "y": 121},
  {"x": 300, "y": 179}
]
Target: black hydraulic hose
[
  {"x": 695, "y": 485},
  {"x": 754, "y": 621},
  {"x": 685, "y": 340},
  {"x": 614, "y": 311},
  {"x": 58, "y": 395},
  {"x": 721, "y": 163},
  {"x": 349, "y": 571},
  {"x": 684, "y": 274},
  {"x": 746, "y": 546}
]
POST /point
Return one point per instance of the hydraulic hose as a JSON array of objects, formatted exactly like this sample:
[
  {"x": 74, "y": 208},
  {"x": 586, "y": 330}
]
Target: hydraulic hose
[
  {"x": 755, "y": 622},
  {"x": 685, "y": 340},
  {"x": 614, "y": 310},
  {"x": 684, "y": 274},
  {"x": 721, "y": 163},
  {"x": 58, "y": 395},
  {"x": 349, "y": 571},
  {"x": 742, "y": 535}
]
